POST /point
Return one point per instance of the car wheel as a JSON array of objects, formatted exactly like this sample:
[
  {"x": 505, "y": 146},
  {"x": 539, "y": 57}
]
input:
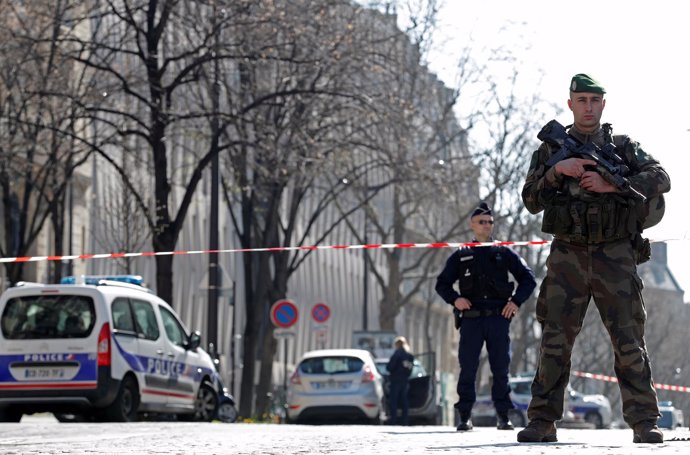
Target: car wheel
[
  {"x": 438, "y": 418},
  {"x": 595, "y": 419},
  {"x": 10, "y": 415},
  {"x": 125, "y": 408},
  {"x": 227, "y": 413},
  {"x": 376, "y": 420},
  {"x": 206, "y": 403},
  {"x": 517, "y": 417},
  {"x": 70, "y": 418}
]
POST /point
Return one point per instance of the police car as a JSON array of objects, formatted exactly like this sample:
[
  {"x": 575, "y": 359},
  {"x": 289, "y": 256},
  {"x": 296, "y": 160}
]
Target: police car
[
  {"x": 579, "y": 409},
  {"x": 671, "y": 417},
  {"x": 103, "y": 348}
]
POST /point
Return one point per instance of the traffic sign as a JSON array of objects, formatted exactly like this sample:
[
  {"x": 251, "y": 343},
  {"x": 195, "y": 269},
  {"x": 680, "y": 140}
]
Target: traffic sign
[
  {"x": 320, "y": 313},
  {"x": 284, "y": 314},
  {"x": 283, "y": 333}
]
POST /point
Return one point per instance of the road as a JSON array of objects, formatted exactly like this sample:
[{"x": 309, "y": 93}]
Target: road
[{"x": 44, "y": 435}]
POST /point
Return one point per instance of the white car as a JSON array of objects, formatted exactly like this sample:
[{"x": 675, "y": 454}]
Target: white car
[
  {"x": 337, "y": 384},
  {"x": 579, "y": 409},
  {"x": 108, "y": 350}
]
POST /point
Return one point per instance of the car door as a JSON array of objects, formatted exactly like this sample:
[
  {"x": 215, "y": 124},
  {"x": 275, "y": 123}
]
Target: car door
[
  {"x": 184, "y": 378},
  {"x": 125, "y": 340},
  {"x": 152, "y": 352}
]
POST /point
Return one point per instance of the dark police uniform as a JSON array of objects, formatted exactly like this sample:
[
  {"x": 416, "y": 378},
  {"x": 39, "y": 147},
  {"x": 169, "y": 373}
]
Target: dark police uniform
[
  {"x": 400, "y": 367},
  {"x": 482, "y": 276}
]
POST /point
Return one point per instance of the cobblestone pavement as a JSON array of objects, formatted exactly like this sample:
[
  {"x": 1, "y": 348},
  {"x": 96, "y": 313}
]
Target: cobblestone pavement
[{"x": 43, "y": 435}]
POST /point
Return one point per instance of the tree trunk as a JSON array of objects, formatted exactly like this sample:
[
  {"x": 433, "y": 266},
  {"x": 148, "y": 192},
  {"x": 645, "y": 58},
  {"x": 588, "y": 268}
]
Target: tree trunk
[
  {"x": 164, "y": 241},
  {"x": 248, "y": 344},
  {"x": 269, "y": 345}
]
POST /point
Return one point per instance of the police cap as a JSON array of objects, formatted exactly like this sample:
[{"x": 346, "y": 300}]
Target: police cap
[
  {"x": 584, "y": 83},
  {"x": 482, "y": 209}
]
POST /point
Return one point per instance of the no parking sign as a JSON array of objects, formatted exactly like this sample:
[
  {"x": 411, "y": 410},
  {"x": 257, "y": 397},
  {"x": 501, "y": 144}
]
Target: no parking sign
[
  {"x": 320, "y": 313},
  {"x": 284, "y": 314}
]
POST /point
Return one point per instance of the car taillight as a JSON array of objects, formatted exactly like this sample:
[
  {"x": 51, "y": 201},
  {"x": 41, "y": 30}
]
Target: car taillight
[
  {"x": 295, "y": 378},
  {"x": 104, "y": 346},
  {"x": 367, "y": 374}
]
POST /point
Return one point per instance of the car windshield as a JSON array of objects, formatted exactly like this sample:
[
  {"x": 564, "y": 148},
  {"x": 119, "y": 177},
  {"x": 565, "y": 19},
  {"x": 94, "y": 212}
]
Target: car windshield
[
  {"x": 331, "y": 365},
  {"x": 48, "y": 317}
]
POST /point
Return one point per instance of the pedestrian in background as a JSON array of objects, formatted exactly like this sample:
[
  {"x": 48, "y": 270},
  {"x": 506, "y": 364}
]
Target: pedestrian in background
[
  {"x": 400, "y": 368},
  {"x": 484, "y": 305},
  {"x": 596, "y": 248}
]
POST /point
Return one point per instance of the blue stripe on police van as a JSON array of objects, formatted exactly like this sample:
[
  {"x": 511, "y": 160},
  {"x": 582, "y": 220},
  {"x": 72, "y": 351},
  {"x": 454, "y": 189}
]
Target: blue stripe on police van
[
  {"x": 132, "y": 360},
  {"x": 152, "y": 365},
  {"x": 88, "y": 370}
]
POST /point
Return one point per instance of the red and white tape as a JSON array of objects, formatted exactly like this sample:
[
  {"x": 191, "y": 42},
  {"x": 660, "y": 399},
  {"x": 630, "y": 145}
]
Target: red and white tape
[
  {"x": 603, "y": 377},
  {"x": 272, "y": 249}
]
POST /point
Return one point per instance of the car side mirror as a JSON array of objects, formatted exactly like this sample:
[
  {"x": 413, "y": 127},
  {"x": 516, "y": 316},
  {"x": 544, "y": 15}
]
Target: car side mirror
[{"x": 194, "y": 341}]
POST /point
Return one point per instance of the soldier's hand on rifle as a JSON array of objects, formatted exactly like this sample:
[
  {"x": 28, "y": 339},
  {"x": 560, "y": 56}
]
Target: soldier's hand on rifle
[
  {"x": 573, "y": 167},
  {"x": 594, "y": 182}
]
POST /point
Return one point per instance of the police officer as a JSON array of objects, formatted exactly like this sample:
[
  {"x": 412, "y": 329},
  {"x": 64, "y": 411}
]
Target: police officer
[
  {"x": 399, "y": 367},
  {"x": 594, "y": 254},
  {"x": 484, "y": 307}
]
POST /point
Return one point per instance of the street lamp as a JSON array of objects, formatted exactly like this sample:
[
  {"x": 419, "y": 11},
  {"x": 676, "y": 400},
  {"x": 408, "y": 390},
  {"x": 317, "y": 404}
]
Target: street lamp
[
  {"x": 365, "y": 283},
  {"x": 213, "y": 269}
]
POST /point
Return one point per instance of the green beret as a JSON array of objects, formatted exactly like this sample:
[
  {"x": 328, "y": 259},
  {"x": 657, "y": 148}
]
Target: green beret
[{"x": 584, "y": 83}]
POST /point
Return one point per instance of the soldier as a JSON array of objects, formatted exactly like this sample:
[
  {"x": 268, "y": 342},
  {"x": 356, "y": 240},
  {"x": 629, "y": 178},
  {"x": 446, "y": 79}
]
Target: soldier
[
  {"x": 594, "y": 254},
  {"x": 484, "y": 308}
]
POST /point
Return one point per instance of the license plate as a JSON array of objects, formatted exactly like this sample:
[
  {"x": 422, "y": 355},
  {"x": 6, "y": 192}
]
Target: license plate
[
  {"x": 330, "y": 385},
  {"x": 44, "y": 373}
]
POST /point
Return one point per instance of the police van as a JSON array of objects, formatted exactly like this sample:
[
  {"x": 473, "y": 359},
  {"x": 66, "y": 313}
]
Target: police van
[{"x": 103, "y": 349}]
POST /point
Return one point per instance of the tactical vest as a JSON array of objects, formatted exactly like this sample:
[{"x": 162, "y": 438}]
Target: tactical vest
[
  {"x": 581, "y": 216},
  {"x": 484, "y": 275}
]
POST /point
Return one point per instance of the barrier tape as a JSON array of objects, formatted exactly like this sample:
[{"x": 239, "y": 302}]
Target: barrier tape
[
  {"x": 603, "y": 377},
  {"x": 272, "y": 249},
  {"x": 285, "y": 248}
]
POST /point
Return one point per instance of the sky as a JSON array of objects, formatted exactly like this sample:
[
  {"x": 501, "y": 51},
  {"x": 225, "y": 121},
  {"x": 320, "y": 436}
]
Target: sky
[{"x": 636, "y": 49}]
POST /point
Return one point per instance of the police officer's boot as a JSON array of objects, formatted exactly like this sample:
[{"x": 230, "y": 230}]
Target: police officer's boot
[
  {"x": 647, "y": 432},
  {"x": 503, "y": 421},
  {"x": 538, "y": 431},
  {"x": 465, "y": 422}
]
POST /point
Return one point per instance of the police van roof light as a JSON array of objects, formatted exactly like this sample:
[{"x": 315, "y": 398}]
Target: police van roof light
[{"x": 95, "y": 279}]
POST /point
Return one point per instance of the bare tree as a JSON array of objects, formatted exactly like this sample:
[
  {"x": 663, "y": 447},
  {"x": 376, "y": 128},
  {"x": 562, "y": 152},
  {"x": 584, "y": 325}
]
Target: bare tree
[
  {"x": 38, "y": 155},
  {"x": 415, "y": 162},
  {"x": 287, "y": 156},
  {"x": 121, "y": 226},
  {"x": 502, "y": 125}
]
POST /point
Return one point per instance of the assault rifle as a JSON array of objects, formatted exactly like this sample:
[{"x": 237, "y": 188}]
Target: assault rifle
[{"x": 609, "y": 164}]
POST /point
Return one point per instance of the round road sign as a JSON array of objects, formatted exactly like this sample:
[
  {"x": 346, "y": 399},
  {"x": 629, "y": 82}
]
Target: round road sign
[
  {"x": 320, "y": 312},
  {"x": 284, "y": 314}
]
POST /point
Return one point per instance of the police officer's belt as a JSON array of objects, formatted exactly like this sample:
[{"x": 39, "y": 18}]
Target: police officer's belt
[{"x": 479, "y": 313}]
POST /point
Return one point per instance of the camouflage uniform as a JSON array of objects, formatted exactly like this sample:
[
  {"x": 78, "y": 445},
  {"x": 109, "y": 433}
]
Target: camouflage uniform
[{"x": 592, "y": 257}]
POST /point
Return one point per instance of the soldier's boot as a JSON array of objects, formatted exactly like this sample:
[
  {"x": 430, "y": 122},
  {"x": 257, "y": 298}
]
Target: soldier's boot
[
  {"x": 647, "y": 432},
  {"x": 503, "y": 422},
  {"x": 465, "y": 422},
  {"x": 538, "y": 431}
]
